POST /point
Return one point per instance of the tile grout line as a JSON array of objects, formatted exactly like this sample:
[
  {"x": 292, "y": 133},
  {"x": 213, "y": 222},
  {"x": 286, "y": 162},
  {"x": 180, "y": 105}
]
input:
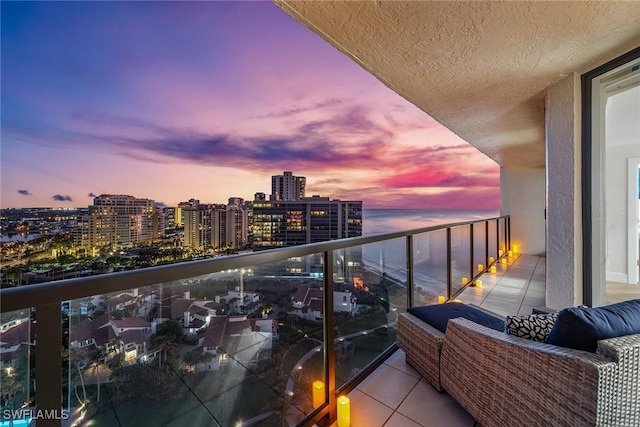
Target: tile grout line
[{"x": 402, "y": 401}]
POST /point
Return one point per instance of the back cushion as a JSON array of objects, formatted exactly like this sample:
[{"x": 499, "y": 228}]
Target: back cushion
[
  {"x": 582, "y": 328},
  {"x": 535, "y": 327},
  {"x": 438, "y": 315}
]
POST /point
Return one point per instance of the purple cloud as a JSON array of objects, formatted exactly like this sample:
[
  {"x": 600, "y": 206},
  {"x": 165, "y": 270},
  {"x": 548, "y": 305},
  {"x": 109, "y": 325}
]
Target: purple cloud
[
  {"x": 297, "y": 110},
  {"x": 24, "y": 192},
  {"x": 61, "y": 198},
  {"x": 92, "y": 195}
]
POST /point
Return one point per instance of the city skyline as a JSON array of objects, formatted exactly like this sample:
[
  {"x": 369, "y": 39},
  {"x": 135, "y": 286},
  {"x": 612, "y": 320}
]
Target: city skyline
[{"x": 208, "y": 100}]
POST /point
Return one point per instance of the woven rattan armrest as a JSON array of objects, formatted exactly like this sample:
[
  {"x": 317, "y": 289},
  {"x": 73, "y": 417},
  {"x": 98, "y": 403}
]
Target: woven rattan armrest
[{"x": 421, "y": 344}]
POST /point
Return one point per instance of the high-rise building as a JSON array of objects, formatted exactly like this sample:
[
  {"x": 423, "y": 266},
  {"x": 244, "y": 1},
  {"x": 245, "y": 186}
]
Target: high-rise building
[
  {"x": 219, "y": 227},
  {"x": 119, "y": 221},
  {"x": 237, "y": 224},
  {"x": 197, "y": 227},
  {"x": 172, "y": 217},
  {"x": 287, "y": 187},
  {"x": 309, "y": 220}
]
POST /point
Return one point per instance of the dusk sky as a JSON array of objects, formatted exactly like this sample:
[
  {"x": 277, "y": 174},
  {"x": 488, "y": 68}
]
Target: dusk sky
[{"x": 207, "y": 100}]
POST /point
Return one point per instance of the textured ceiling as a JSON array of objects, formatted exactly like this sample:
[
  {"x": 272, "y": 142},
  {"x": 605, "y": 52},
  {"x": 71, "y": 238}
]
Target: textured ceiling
[{"x": 479, "y": 68}]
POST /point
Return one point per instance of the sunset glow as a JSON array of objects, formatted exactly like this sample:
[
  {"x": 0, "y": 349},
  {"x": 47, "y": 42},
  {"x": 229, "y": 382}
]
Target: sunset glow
[{"x": 207, "y": 100}]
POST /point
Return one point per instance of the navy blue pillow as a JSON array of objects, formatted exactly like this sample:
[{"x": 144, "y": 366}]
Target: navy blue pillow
[
  {"x": 438, "y": 315},
  {"x": 582, "y": 328}
]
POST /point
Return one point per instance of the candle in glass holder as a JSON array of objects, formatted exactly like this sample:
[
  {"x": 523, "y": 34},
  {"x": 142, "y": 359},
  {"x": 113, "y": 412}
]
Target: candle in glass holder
[
  {"x": 344, "y": 411},
  {"x": 441, "y": 299},
  {"x": 318, "y": 393},
  {"x": 510, "y": 253},
  {"x": 491, "y": 259},
  {"x": 480, "y": 267},
  {"x": 504, "y": 261},
  {"x": 465, "y": 280},
  {"x": 479, "y": 284},
  {"x": 494, "y": 269},
  {"x": 500, "y": 252},
  {"x": 515, "y": 249}
]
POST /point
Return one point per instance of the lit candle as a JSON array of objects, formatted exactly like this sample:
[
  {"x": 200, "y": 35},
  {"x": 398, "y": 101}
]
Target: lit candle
[
  {"x": 344, "y": 411},
  {"x": 500, "y": 252},
  {"x": 494, "y": 269},
  {"x": 480, "y": 267},
  {"x": 515, "y": 249},
  {"x": 491, "y": 259},
  {"x": 318, "y": 393},
  {"x": 465, "y": 280},
  {"x": 510, "y": 253},
  {"x": 504, "y": 261},
  {"x": 441, "y": 299},
  {"x": 479, "y": 284}
]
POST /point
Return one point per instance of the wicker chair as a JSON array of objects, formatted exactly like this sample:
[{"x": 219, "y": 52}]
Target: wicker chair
[{"x": 502, "y": 380}]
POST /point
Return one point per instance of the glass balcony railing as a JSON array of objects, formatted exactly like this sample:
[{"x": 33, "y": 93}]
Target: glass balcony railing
[{"x": 267, "y": 338}]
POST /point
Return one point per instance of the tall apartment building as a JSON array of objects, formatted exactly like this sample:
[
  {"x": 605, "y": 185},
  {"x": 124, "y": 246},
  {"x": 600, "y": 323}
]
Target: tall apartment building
[
  {"x": 172, "y": 217},
  {"x": 237, "y": 225},
  {"x": 197, "y": 226},
  {"x": 118, "y": 220},
  {"x": 287, "y": 187},
  {"x": 309, "y": 220},
  {"x": 216, "y": 226},
  {"x": 219, "y": 227}
]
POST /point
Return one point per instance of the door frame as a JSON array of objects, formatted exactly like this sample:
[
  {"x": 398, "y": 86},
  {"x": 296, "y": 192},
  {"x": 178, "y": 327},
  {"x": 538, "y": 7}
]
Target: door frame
[
  {"x": 633, "y": 249},
  {"x": 593, "y": 249}
]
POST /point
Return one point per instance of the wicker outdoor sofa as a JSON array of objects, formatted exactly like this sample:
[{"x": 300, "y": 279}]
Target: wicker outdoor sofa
[{"x": 503, "y": 380}]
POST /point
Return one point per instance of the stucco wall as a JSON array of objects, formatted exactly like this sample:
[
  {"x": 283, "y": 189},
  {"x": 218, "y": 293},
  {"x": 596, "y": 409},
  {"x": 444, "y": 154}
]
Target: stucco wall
[
  {"x": 564, "y": 211},
  {"x": 523, "y": 197}
]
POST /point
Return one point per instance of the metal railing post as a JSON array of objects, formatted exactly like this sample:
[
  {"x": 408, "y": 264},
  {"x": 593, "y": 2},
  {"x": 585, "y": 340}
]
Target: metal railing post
[
  {"x": 410, "y": 271},
  {"x": 497, "y": 238},
  {"x": 449, "y": 272},
  {"x": 49, "y": 363},
  {"x": 471, "y": 271},
  {"x": 486, "y": 244},
  {"x": 329, "y": 334}
]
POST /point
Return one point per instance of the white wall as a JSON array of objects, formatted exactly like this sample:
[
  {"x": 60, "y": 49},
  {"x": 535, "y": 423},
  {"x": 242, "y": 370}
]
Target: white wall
[
  {"x": 622, "y": 141},
  {"x": 522, "y": 195},
  {"x": 564, "y": 189},
  {"x": 617, "y": 207}
]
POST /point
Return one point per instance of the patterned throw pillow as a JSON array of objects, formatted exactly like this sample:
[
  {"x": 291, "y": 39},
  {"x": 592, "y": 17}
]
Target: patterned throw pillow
[{"x": 534, "y": 327}]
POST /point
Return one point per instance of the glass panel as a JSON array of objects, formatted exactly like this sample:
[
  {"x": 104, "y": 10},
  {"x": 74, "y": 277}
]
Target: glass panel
[
  {"x": 17, "y": 376},
  {"x": 620, "y": 173},
  {"x": 460, "y": 256},
  {"x": 214, "y": 350},
  {"x": 430, "y": 267},
  {"x": 369, "y": 291},
  {"x": 479, "y": 248},
  {"x": 493, "y": 244},
  {"x": 503, "y": 235}
]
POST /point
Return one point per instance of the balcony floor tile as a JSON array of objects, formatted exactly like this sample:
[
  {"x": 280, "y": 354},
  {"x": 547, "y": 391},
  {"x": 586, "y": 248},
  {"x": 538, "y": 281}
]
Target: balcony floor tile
[
  {"x": 388, "y": 386},
  {"x": 427, "y": 407}
]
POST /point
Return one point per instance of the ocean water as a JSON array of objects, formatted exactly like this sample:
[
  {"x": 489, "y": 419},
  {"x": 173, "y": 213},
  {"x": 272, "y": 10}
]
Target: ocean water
[{"x": 379, "y": 221}]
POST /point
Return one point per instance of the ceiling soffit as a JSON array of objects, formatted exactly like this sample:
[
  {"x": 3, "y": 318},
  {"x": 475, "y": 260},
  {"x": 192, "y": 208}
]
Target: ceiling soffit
[{"x": 479, "y": 68}]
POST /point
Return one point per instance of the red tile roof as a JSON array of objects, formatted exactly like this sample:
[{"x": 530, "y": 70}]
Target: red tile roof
[
  {"x": 131, "y": 322},
  {"x": 88, "y": 328},
  {"x": 179, "y": 306},
  {"x": 137, "y": 337},
  {"x": 24, "y": 332}
]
